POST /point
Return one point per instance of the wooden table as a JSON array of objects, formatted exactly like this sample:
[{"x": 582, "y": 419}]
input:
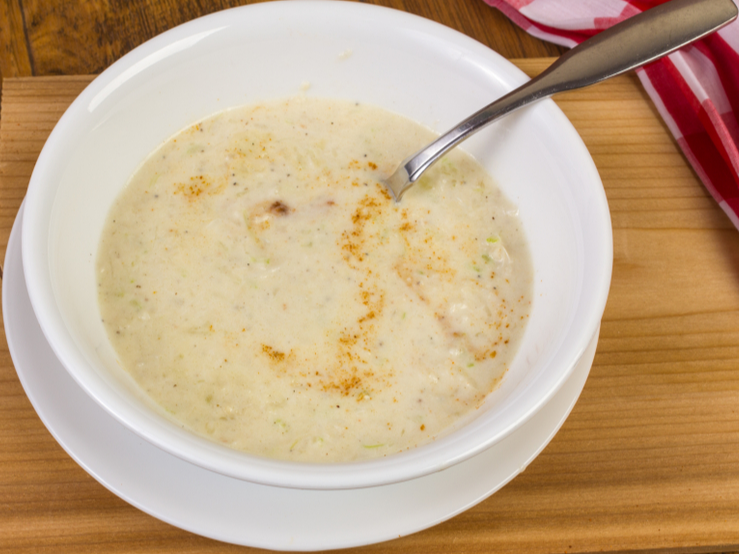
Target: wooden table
[{"x": 649, "y": 458}]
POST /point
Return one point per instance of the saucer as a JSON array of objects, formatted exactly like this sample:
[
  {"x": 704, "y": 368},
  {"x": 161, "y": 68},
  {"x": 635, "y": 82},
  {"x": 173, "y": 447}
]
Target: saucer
[{"x": 240, "y": 512}]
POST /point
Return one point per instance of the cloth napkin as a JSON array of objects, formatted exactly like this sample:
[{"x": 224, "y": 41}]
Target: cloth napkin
[{"x": 695, "y": 89}]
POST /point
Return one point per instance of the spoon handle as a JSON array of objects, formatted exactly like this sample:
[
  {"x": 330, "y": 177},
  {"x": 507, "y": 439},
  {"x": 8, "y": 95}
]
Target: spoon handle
[{"x": 630, "y": 44}]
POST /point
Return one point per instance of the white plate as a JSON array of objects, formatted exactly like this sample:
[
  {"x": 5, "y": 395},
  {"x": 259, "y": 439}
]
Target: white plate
[{"x": 236, "y": 511}]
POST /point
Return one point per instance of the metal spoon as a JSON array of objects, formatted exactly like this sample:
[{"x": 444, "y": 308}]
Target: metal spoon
[{"x": 630, "y": 44}]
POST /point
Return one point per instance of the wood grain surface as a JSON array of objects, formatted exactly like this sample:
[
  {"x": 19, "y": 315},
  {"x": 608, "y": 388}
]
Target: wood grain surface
[{"x": 649, "y": 458}]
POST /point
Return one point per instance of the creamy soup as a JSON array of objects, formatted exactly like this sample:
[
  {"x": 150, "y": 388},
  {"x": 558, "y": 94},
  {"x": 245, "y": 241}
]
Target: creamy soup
[{"x": 261, "y": 285}]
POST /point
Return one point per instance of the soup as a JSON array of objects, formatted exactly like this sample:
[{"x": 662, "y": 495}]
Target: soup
[{"x": 260, "y": 284}]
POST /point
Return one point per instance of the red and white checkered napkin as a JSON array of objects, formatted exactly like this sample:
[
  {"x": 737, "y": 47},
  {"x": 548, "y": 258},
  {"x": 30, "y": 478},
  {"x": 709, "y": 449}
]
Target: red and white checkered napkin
[{"x": 695, "y": 89}]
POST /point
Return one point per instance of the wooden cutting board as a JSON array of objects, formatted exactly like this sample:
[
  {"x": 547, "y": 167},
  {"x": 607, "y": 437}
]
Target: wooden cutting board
[{"x": 649, "y": 458}]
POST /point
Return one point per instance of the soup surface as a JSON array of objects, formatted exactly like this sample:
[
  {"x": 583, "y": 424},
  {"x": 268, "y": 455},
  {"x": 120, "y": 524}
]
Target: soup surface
[{"x": 261, "y": 285}]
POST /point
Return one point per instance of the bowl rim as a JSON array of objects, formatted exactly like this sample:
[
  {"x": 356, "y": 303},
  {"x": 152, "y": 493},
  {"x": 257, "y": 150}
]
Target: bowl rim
[{"x": 400, "y": 467}]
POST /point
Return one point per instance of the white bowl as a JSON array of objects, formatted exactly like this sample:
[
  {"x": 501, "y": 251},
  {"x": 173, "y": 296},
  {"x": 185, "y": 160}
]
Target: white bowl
[{"x": 401, "y": 62}]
